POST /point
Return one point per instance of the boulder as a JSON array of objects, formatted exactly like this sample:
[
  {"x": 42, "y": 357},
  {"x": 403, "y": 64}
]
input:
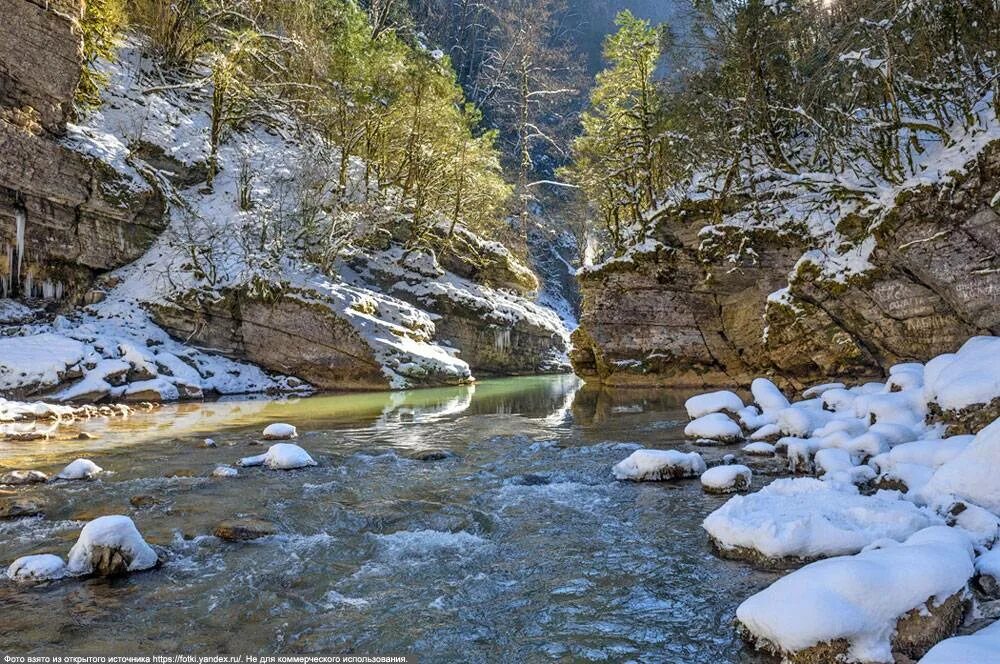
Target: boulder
[
  {"x": 110, "y": 546},
  {"x": 37, "y": 568},
  {"x": 242, "y": 530},
  {"x": 732, "y": 478},
  {"x": 22, "y": 477},
  {"x": 655, "y": 465},
  {"x": 16, "y": 508}
]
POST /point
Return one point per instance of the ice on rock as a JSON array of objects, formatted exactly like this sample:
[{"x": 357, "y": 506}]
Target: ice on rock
[
  {"x": 767, "y": 395},
  {"x": 110, "y": 545},
  {"x": 42, "y": 567},
  {"x": 980, "y": 647},
  {"x": 806, "y": 518},
  {"x": 855, "y": 602},
  {"x": 280, "y": 431},
  {"x": 281, "y": 456},
  {"x": 81, "y": 469},
  {"x": 726, "y": 479},
  {"x": 972, "y": 474},
  {"x": 655, "y": 465},
  {"x": 713, "y": 402},
  {"x": 714, "y": 426}
]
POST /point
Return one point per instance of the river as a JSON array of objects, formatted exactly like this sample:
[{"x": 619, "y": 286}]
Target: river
[{"x": 517, "y": 546}]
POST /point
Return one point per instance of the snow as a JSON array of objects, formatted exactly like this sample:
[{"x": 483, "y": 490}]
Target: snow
[
  {"x": 808, "y": 518},
  {"x": 655, "y": 465},
  {"x": 281, "y": 456},
  {"x": 820, "y": 390},
  {"x": 727, "y": 478},
  {"x": 860, "y": 598},
  {"x": 982, "y": 646},
  {"x": 81, "y": 469},
  {"x": 972, "y": 473},
  {"x": 280, "y": 431},
  {"x": 713, "y": 402},
  {"x": 759, "y": 449},
  {"x": 225, "y": 471},
  {"x": 714, "y": 426},
  {"x": 767, "y": 395},
  {"x": 966, "y": 378},
  {"x": 41, "y": 567},
  {"x": 38, "y": 359},
  {"x": 116, "y": 532}
]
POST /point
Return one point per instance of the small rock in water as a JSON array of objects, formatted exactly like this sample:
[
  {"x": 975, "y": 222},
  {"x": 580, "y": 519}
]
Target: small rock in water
[
  {"x": 22, "y": 477},
  {"x": 432, "y": 455},
  {"x": 225, "y": 471},
  {"x": 26, "y": 436},
  {"x": 17, "y": 508},
  {"x": 726, "y": 479},
  {"x": 281, "y": 456},
  {"x": 280, "y": 431},
  {"x": 655, "y": 465},
  {"x": 242, "y": 530},
  {"x": 144, "y": 500},
  {"x": 210, "y": 443},
  {"x": 85, "y": 435},
  {"x": 729, "y": 459},
  {"x": 81, "y": 469},
  {"x": 42, "y": 567},
  {"x": 111, "y": 546}
]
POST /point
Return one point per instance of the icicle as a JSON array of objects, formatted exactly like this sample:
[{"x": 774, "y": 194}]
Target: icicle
[
  {"x": 20, "y": 220},
  {"x": 501, "y": 339}
]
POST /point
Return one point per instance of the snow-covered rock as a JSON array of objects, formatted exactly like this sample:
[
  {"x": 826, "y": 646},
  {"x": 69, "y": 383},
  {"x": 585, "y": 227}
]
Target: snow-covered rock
[
  {"x": 110, "y": 546},
  {"x": 969, "y": 377},
  {"x": 281, "y": 456},
  {"x": 767, "y": 395},
  {"x": 820, "y": 390},
  {"x": 225, "y": 471},
  {"x": 280, "y": 431},
  {"x": 726, "y": 479},
  {"x": 759, "y": 449},
  {"x": 972, "y": 474},
  {"x": 714, "y": 426},
  {"x": 42, "y": 567},
  {"x": 980, "y": 647},
  {"x": 713, "y": 402},
  {"x": 655, "y": 465},
  {"x": 81, "y": 469},
  {"x": 850, "y": 607},
  {"x": 806, "y": 518}
]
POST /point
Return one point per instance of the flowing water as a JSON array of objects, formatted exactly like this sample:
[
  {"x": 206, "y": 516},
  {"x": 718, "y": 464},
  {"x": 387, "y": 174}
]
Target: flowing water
[{"x": 517, "y": 546}]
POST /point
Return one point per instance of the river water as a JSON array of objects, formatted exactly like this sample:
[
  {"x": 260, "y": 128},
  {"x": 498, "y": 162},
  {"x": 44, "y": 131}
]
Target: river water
[{"x": 519, "y": 546}]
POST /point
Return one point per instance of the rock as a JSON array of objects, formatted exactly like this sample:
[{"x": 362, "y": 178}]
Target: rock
[
  {"x": 26, "y": 436},
  {"x": 685, "y": 315},
  {"x": 759, "y": 449},
  {"x": 225, "y": 471},
  {"x": 86, "y": 435},
  {"x": 143, "y": 501},
  {"x": 110, "y": 546},
  {"x": 20, "y": 507},
  {"x": 81, "y": 469},
  {"x": 210, "y": 443},
  {"x": 432, "y": 455},
  {"x": 241, "y": 530},
  {"x": 280, "y": 431},
  {"x": 655, "y": 465},
  {"x": 22, "y": 477},
  {"x": 37, "y": 568},
  {"x": 281, "y": 456},
  {"x": 715, "y": 426},
  {"x": 726, "y": 479}
]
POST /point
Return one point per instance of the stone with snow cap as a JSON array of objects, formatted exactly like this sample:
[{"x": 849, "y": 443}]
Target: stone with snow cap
[
  {"x": 713, "y": 402},
  {"x": 280, "y": 431},
  {"x": 726, "y": 479},
  {"x": 714, "y": 426},
  {"x": 40, "y": 567},
  {"x": 81, "y": 469},
  {"x": 655, "y": 465},
  {"x": 281, "y": 456},
  {"x": 110, "y": 546}
]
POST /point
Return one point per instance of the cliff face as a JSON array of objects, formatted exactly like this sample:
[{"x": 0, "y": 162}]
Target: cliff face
[
  {"x": 686, "y": 313},
  {"x": 64, "y": 215}
]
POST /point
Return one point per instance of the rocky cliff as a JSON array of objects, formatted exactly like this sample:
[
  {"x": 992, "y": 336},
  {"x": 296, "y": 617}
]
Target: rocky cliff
[{"x": 708, "y": 305}]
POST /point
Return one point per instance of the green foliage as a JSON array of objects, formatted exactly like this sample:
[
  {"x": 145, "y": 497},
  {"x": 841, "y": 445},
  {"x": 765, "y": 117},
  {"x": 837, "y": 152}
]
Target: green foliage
[{"x": 100, "y": 26}]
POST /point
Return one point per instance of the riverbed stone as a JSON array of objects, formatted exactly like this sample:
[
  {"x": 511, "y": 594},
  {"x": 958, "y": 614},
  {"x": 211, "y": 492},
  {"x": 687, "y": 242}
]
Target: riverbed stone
[
  {"x": 432, "y": 455},
  {"x": 23, "y": 477},
  {"x": 22, "y": 506},
  {"x": 242, "y": 530}
]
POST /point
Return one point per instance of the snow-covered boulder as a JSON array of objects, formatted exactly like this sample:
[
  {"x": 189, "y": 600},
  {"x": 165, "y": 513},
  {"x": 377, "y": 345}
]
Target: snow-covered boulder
[
  {"x": 225, "y": 471},
  {"x": 804, "y": 518},
  {"x": 714, "y": 426},
  {"x": 980, "y": 647},
  {"x": 713, "y": 402},
  {"x": 655, "y": 465},
  {"x": 959, "y": 386},
  {"x": 81, "y": 469},
  {"x": 281, "y": 456},
  {"x": 110, "y": 546},
  {"x": 900, "y": 598},
  {"x": 819, "y": 390},
  {"x": 759, "y": 449},
  {"x": 988, "y": 573},
  {"x": 280, "y": 431},
  {"x": 726, "y": 479},
  {"x": 32, "y": 569},
  {"x": 767, "y": 395},
  {"x": 22, "y": 477},
  {"x": 972, "y": 474}
]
